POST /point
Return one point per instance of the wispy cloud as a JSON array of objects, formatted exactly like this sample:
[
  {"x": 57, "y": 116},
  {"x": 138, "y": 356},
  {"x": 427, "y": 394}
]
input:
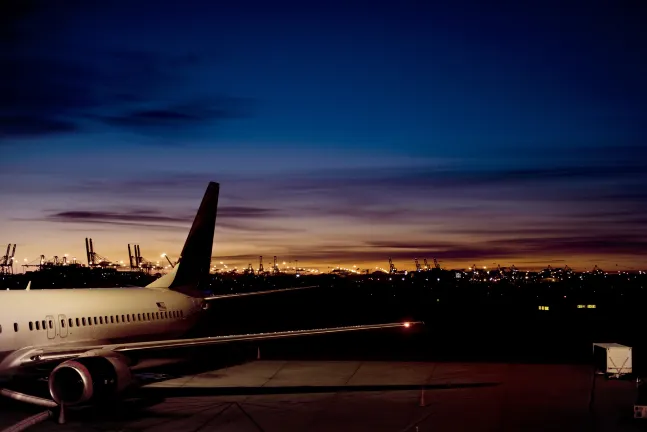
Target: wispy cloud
[
  {"x": 238, "y": 212},
  {"x": 241, "y": 219},
  {"x": 134, "y": 90},
  {"x": 99, "y": 216},
  {"x": 169, "y": 118}
]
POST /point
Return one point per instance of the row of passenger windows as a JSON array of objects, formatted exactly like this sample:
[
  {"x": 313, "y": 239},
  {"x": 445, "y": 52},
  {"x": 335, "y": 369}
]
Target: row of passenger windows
[{"x": 107, "y": 319}]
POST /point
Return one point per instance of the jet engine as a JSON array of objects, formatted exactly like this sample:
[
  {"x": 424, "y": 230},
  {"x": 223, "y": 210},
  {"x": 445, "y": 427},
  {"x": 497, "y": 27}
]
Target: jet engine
[{"x": 91, "y": 377}]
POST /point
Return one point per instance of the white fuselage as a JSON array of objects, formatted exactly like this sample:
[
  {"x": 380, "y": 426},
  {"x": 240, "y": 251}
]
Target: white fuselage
[{"x": 79, "y": 317}]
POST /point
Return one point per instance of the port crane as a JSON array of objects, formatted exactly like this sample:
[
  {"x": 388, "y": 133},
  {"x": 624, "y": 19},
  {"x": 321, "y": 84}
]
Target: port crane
[
  {"x": 94, "y": 259},
  {"x": 138, "y": 262},
  {"x": 6, "y": 262},
  {"x": 275, "y": 267},
  {"x": 392, "y": 268}
]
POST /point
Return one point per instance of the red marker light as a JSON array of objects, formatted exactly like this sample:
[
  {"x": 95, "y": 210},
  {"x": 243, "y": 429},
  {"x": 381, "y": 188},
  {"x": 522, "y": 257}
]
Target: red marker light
[{"x": 406, "y": 324}]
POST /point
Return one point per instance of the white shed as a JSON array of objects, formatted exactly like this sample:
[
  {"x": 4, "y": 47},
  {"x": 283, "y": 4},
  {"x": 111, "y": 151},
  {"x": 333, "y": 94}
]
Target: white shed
[{"x": 612, "y": 358}]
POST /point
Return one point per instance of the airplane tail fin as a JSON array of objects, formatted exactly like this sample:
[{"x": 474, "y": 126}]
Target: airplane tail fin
[{"x": 195, "y": 260}]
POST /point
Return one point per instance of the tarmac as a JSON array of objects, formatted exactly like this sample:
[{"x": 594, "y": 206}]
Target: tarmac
[{"x": 364, "y": 396}]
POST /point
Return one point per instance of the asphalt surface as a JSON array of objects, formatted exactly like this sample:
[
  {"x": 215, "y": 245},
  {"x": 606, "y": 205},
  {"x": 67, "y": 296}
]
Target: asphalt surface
[{"x": 297, "y": 395}]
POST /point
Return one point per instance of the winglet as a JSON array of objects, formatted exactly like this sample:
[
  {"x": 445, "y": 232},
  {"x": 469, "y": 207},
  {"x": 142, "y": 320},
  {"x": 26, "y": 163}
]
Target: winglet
[
  {"x": 195, "y": 260},
  {"x": 28, "y": 286}
]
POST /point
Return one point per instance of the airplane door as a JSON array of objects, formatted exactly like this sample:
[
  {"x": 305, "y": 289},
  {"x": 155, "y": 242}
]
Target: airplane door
[
  {"x": 51, "y": 326},
  {"x": 62, "y": 330}
]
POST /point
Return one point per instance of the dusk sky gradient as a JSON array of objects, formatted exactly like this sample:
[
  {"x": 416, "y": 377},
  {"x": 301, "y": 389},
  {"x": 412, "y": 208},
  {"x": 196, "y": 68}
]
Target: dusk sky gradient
[{"x": 341, "y": 133}]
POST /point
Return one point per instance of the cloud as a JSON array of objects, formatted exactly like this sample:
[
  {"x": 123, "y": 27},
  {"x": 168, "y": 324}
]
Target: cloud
[
  {"x": 416, "y": 245},
  {"x": 244, "y": 226},
  {"x": 148, "y": 215},
  {"x": 431, "y": 178},
  {"x": 146, "y": 219},
  {"x": 52, "y": 81},
  {"x": 100, "y": 216},
  {"x": 355, "y": 209},
  {"x": 521, "y": 250},
  {"x": 173, "y": 116},
  {"x": 599, "y": 244},
  {"x": 33, "y": 125},
  {"x": 239, "y": 212},
  {"x": 243, "y": 219}
]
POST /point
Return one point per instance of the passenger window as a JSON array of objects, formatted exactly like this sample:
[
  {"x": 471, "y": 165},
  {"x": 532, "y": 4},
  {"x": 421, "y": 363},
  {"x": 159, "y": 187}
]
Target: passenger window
[
  {"x": 37, "y": 325},
  {"x": 128, "y": 317},
  {"x": 84, "y": 321},
  {"x": 62, "y": 323},
  {"x": 157, "y": 315},
  {"x": 89, "y": 321},
  {"x": 77, "y": 323},
  {"x": 0, "y": 328},
  {"x": 112, "y": 319},
  {"x": 100, "y": 320},
  {"x": 181, "y": 313},
  {"x": 31, "y": 326},
  {"x": 148, "y": 314},
  {"x": 95, "y": 321},
  {"x": 123, "y": 318},
  {"x": 44, "y": 325},
  {"x": 50, "y": 324},
  {"x": 134, "y": 318},
  {"x": 15, "y": 327},
  {"x": 70, "y": 322},
  {"x": 106, "y": 321},
  {"x": 117, "y": 319},
  {"x": 139, "y": 317}
]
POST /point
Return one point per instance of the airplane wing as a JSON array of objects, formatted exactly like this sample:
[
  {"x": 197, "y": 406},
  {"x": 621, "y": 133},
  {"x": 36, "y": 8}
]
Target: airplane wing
[
  {"x": 35, "y": 356},
  {"x": 225, "y": 296}
]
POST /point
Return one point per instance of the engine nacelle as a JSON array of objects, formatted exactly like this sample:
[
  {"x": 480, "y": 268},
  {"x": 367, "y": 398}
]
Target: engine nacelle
[{"x": 92, "y": 377}]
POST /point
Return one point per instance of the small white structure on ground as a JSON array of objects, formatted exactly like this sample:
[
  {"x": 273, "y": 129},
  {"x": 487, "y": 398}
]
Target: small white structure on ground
[{"x": 612, "y": 359}]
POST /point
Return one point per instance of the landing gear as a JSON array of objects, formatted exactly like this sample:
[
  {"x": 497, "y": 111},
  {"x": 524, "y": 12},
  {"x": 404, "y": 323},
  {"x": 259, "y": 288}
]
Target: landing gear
[{"x": 61, "y": 414}]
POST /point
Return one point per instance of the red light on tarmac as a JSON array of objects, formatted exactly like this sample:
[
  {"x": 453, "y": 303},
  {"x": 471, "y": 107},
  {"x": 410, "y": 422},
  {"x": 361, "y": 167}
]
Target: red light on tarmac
[{"x": 406, "y": 324}]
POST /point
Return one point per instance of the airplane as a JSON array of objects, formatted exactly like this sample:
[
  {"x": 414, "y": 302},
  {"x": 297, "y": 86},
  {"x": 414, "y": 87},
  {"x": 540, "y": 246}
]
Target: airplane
[{"x": 88, "y": 340}]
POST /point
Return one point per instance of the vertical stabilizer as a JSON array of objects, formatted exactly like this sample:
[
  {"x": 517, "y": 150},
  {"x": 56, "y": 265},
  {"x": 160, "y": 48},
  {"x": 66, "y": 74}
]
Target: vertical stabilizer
[{"x": 195, "y": 260}]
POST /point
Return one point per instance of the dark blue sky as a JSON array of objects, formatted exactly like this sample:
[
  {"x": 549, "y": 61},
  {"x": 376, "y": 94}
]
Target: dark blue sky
[{"x": 340, "y": 131}]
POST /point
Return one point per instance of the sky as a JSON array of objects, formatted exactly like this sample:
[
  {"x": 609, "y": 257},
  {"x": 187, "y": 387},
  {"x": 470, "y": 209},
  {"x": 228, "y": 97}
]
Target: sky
[{"x": 342, "y": 133}]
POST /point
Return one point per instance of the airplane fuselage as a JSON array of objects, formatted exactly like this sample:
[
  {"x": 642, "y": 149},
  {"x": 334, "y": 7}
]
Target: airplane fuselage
[{"x": 79, "y": 317}]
